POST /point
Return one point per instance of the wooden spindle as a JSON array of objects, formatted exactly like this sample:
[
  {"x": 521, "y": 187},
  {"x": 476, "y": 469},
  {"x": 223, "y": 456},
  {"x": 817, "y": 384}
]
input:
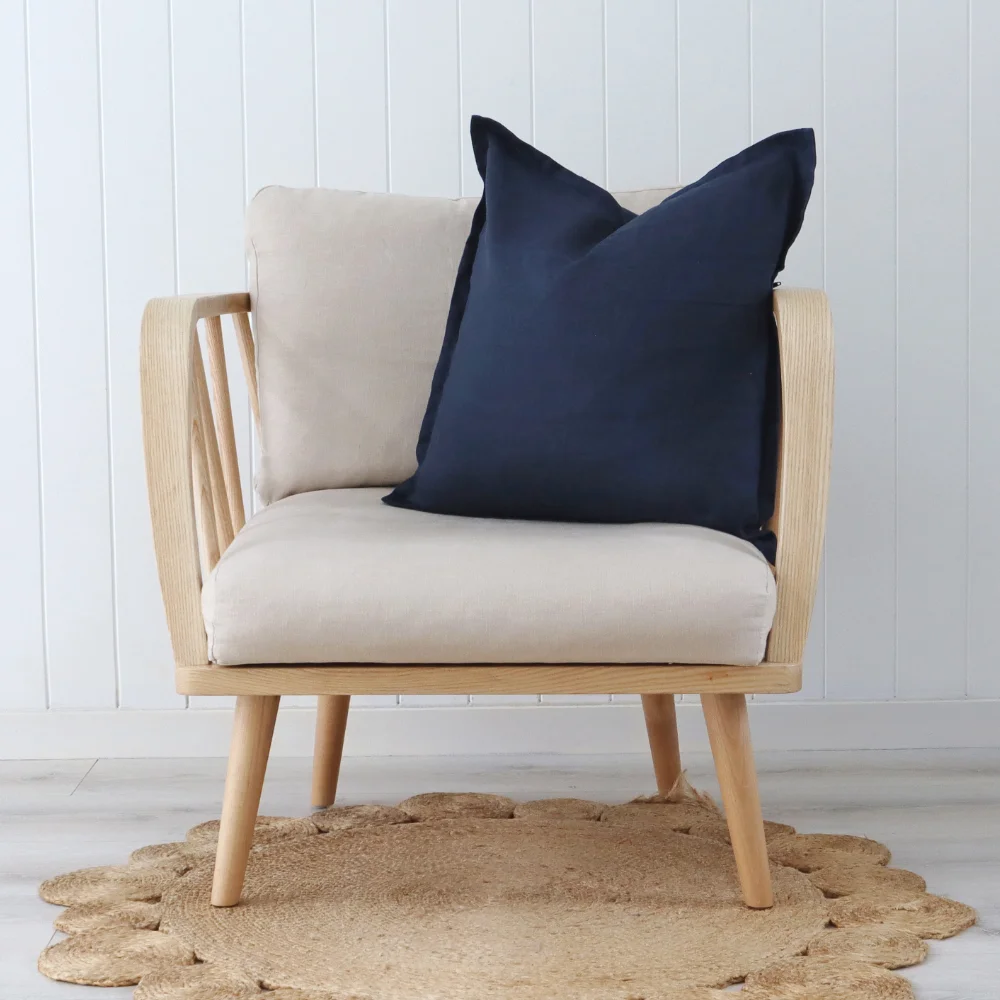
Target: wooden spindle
[
  {"x": 244, "y": 338},
  {"x": 223, "y": 409},
  {"x": 223, "y": 522},
  {"x": 208, "y": 539}
]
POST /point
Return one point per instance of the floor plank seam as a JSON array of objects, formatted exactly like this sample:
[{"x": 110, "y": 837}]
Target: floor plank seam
[{"x": 93, "y": 764}]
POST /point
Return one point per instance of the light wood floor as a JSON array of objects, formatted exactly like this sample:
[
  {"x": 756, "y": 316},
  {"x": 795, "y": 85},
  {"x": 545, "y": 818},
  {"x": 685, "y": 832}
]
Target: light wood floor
[{"x": 939, "y": 811}]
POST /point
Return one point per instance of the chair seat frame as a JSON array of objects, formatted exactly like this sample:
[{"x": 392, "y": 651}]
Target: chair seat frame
[{"x": 196, "y": 507}]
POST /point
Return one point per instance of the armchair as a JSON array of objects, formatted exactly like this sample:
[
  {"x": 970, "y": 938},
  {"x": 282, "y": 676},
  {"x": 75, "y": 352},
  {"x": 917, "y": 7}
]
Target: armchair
[{"x": 197, "y": 511}]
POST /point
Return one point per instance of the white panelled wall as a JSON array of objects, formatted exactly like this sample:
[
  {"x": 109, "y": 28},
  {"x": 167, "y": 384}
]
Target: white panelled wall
[{"x": 133, "y": 134}]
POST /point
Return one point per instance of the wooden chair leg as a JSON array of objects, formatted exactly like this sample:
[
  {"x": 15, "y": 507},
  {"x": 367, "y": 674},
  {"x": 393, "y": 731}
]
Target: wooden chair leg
[
  {"x": 729, "y": 734},
  {"x": 331, "y": 725},
  {"x": 253, "y": 728},
  {"x": 661, "y": 727}
]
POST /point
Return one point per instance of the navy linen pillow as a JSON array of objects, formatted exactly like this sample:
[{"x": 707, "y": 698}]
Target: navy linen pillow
[{"x": 603, "y": 366}]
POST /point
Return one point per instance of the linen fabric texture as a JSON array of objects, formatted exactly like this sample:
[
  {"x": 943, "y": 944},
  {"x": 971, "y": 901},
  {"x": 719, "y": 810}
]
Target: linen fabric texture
[
  {"x": 350, "y": 295},
  {"x": 337, "y": 576},
  {"x": 599, "y": 366}
]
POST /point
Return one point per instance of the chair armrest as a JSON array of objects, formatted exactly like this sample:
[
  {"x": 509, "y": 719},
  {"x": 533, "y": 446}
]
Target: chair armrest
[
  {"x": 174, "y": 393},
  {"x": 805, "y": 339}
]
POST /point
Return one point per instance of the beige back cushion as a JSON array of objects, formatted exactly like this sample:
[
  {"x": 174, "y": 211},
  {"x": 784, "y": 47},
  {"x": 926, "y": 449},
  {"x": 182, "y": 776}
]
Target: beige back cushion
[{"x": 350, "y": 297}]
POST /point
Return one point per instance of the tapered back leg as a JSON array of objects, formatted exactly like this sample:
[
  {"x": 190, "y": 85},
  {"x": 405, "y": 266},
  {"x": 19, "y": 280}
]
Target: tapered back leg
[
  {"x": 661, "y": 728},
  {"x": 331, "y": 725}
]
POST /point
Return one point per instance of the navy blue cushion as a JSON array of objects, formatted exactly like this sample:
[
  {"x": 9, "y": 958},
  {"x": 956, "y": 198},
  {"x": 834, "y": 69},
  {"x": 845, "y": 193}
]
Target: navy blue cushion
[{"x": 603, "y": 366}]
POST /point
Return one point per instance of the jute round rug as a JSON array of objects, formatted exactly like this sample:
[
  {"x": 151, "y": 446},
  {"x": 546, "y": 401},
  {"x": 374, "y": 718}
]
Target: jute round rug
[{"x": 476, "y": 896}]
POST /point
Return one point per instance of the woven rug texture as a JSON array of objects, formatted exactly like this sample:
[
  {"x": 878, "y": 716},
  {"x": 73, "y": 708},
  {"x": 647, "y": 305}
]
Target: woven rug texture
[{"x": 465, "y": 895}]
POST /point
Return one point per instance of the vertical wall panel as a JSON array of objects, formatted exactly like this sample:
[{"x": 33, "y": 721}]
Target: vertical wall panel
[
  {"x": 495, "y": 46},
  {"x": 860, "y": 154},
  {"x": 496, "y": 72},
  {"x": 569, "y": 112},
  {"x": 279, "y": 89},
  {"x": 210, "y": 189},
  {"x": 787, "y": 92},
  {"x": 209, "y": 179},
  {"x": 208, "y": 144},
  {"x": 22, "y": 678},
  {"x": 984, "y": 354},
  {"x": 424, "y": 137},
  {"x": 786, "y": 59},
  {"x": 279, "y": 104},
  {"x": 352, "y": 117},
  {"x": 933, "y": 313},
  {"x": 641, "y": 93},
  {"x": 495, "y": 43},
  {"x": 350, "y": 94},
  {"x": 713, "y": 83},
  {"x": 69, "y": 274},
  {"x": 568, "y": 66},
  {"x": 279, "y": 86},
  {"x": 139, "y": 225}
]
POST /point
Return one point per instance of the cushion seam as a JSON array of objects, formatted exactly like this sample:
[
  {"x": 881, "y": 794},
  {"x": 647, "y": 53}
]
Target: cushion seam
[
  {"x": 254, "y": 310},
  {"x": 210, "y": 621},
  {"x": 770, "y": 587}
]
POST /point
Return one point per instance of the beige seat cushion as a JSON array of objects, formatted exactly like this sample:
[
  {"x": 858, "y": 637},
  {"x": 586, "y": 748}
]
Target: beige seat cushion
[
  {"x": 337, "y": 576},
  {"x": 350, "y": 295}
]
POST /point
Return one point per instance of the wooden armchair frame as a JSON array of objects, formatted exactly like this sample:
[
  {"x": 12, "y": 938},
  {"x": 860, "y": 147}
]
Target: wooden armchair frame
[{"x": 197, "y": 507}]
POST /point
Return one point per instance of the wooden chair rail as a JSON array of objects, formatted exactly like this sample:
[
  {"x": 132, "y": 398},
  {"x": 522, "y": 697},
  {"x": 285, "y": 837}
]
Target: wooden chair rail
[{"x": 514, "y": 678}]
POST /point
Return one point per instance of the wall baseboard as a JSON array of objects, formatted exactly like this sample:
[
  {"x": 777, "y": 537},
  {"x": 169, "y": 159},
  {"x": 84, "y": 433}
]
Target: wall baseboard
[{"x": 502, "y": 729}]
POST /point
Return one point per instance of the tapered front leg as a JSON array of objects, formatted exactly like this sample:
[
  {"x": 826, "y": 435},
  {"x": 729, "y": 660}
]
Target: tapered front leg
[
  {"x": 331, "y": 725},
  {"x": 661, "y": 728},
  {"x": 253, "y": 728},
  {"x": 729, "y": 734}
]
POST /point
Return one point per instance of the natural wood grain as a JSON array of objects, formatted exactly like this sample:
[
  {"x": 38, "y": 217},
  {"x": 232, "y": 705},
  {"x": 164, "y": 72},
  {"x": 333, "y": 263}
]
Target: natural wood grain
[
  {"x": 331, "y": 726},
  {"x": 244, "y": 338},
  {"x": 224, "y": 430},
  {"x": 729, "y": 734},
  {"x": 805, "y": 337},
  {"x": 220, "y": 502},
  {"x": 515, "y": 678},
  {"x": 661, "y": 728},
  {"x": 208, "y": 537},
  {"x": 225, "y": 304},
  {"x": 253, "y": 727},
  {"x": 168, "y": 412}
]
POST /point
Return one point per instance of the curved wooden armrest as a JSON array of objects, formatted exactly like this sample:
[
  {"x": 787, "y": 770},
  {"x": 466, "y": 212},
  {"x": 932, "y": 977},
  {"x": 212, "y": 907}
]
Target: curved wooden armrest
[
  {"x": 805, "y": 338},
  {"x": 176, "y": 412}
]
